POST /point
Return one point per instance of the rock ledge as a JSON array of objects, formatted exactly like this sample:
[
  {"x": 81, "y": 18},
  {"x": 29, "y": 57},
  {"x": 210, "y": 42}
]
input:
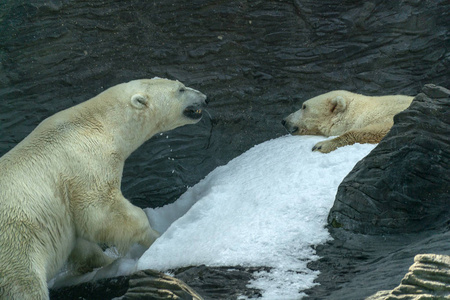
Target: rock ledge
[
  {"x": 428, "y": 278},
  {"x": 402, "y": 186}
]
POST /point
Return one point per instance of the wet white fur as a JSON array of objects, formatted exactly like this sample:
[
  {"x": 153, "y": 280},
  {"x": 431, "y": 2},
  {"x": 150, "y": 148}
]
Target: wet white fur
[{"x": 60, "y": 187}]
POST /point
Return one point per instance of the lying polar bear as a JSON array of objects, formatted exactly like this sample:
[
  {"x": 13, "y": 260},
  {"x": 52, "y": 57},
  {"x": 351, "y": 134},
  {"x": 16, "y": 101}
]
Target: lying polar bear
[
  {"x": 354, "y": 118},
  {"x": 60, "y": 187}
]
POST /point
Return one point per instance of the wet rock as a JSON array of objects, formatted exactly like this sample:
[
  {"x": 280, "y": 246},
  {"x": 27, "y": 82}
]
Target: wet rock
[
  {"x": 428, "y": 278},
  {"x": 403, "y": 185},
  {"x": 199, "y": 282},
  {"x": 220, "y": 282},
  {"x": 146, "y": 284},
  {"x": 109, "y": 288},
  {"x": 150, "y": 284},
  {"x": 355, "y": 266}
]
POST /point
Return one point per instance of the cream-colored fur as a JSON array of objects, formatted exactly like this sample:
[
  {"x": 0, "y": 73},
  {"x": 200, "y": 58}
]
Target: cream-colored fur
[
  {"x": 354, "y": 118},
  {"x": 60, "y": 187}
]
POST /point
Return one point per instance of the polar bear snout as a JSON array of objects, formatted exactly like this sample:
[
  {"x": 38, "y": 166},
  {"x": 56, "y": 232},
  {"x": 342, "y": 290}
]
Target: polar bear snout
[
  {"x": 289, "y": 126},
  {"x": 194, "y": 112},
  {"x": 199, "y": 101}
]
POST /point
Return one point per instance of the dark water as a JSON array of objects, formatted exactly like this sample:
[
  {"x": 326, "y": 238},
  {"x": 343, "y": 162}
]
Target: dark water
[{"x": 256, "y": 60}]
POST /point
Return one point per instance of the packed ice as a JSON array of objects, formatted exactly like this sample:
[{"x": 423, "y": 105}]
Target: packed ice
[{"x": 266, "y": 208}]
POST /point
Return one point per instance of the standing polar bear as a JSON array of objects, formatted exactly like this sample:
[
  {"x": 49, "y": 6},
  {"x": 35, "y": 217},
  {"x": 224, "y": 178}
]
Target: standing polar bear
[
  {"x": 354, "y": 118},
  {"x": 60, "y": 187}
]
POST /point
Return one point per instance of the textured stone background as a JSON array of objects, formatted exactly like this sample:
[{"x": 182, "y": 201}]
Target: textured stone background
[{"x": 256, "y": 60}]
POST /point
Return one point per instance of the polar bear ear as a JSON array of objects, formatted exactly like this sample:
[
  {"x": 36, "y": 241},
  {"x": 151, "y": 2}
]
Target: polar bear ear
[
  {"x": 139, "y": 101},
  {"x": 338, "y": 104}
]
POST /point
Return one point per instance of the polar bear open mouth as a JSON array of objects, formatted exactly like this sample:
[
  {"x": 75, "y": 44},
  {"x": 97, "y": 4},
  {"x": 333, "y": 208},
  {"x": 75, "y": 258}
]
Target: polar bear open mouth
[{"x": 193, "y": 112}]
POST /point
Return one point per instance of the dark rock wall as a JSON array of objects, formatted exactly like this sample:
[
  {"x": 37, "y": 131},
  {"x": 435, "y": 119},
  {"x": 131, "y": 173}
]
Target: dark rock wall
[
  {"x": 355, "y": 266},
  {"x": 392, "y": 206},
  {"x": 403, "y": 185},
  {"x": 256, "y": 60}
]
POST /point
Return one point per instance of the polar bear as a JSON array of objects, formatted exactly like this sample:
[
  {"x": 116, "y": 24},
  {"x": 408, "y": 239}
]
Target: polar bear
[
  {"x": 354, "y": 118},
  {"x": 60, "y": 187}
]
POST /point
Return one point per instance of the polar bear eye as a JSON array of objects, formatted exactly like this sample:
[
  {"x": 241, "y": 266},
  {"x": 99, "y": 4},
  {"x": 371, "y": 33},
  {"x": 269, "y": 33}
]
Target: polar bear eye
[
  {"x": 304, "y": 106},
  {"x": 182, "y": 90}
]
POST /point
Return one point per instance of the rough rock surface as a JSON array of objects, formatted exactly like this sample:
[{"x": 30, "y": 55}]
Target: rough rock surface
[
  {"x": 393, "y": 205},
  {"x": 355, "y": 266},
  {"x": 109, "y": 288},
  {"x": 212, "y": 282},
  {"x": 403, "y": 185},
  {"x": 146, "y": 284},
  {"x": 257, "y": 60},
  {"x": 220, "y": 282},
  {"x": 428, "y": 278},
  {"x": 150, "y": 284}
]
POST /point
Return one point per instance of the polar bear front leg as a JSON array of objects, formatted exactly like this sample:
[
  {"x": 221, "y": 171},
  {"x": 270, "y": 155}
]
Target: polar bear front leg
[
  {"x": 25, "y": 284},
  {"x": 115, "y": 221},
  {"x": 372, "y": 134},
  {"x": 139, "y": 229},
  {"x": 87, "y": 256}
]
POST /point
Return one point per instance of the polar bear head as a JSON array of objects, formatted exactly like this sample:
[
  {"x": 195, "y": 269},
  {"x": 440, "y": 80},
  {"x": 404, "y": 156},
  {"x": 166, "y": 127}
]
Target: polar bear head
[
  {"x": 170, "y": 103},
  {"x": 319, "y": 115},
  {"x": 133, "y": 112}
]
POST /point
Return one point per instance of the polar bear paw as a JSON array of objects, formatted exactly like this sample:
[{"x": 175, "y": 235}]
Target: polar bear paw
[{"x": 325, "y": 146}]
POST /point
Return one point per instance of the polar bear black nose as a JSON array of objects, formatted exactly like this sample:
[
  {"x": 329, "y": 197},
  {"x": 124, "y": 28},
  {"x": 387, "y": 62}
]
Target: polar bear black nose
[{"x": 289, "y": 128}]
